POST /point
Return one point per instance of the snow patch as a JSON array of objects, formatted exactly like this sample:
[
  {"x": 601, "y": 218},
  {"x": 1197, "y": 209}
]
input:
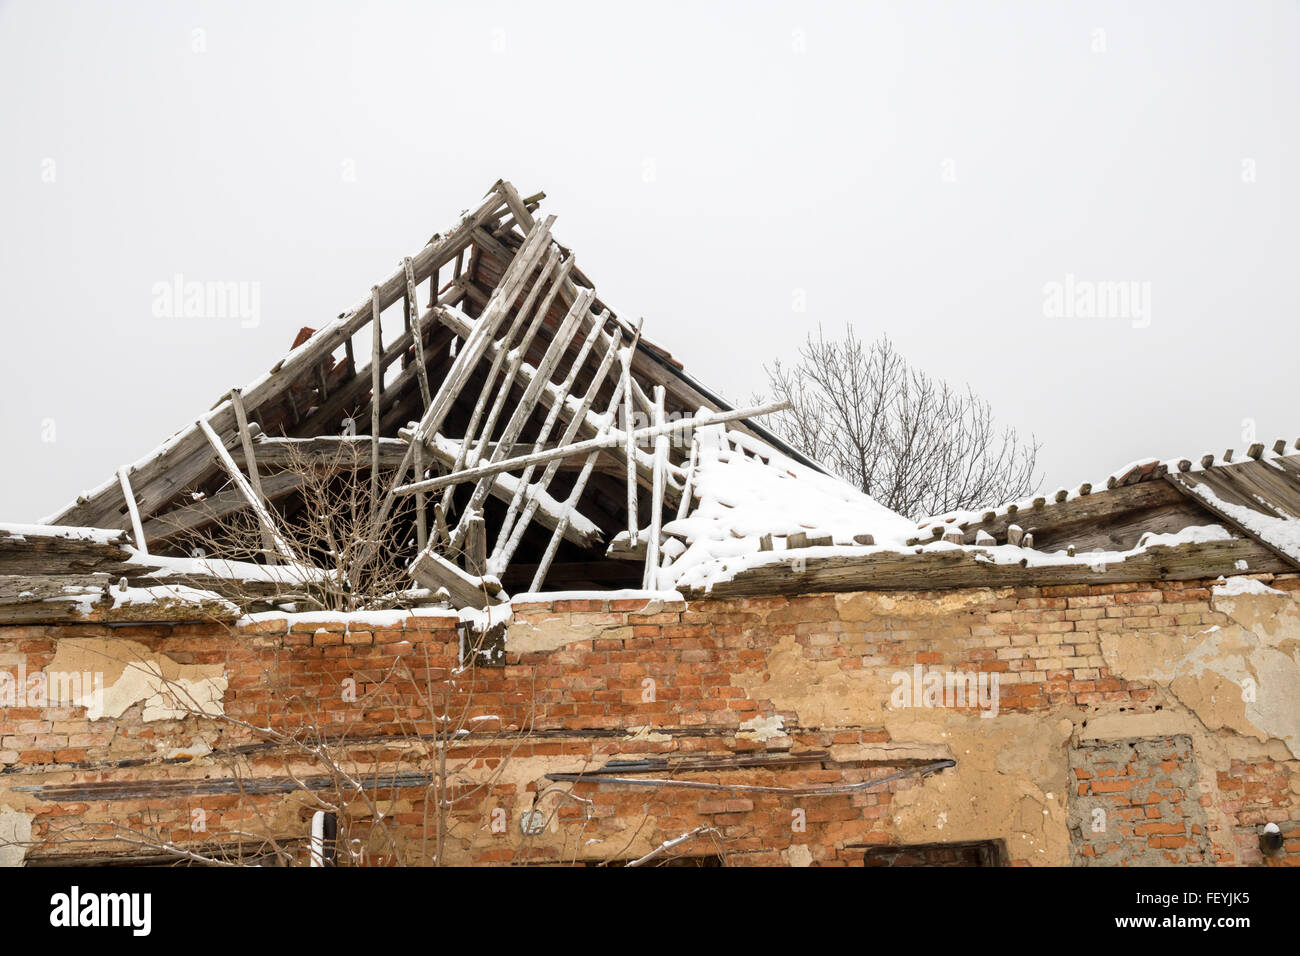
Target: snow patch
[{"x": 1233, "y": 587}]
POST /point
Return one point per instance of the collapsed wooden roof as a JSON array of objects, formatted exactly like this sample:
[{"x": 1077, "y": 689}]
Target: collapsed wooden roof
[{"x": 487, "y": 345}]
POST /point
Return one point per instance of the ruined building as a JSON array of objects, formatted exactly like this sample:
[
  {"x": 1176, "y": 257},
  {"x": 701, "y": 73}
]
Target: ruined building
[{"x": 478, "y": 574}]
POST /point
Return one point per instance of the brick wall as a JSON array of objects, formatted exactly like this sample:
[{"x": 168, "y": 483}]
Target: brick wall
[
  {"x": 797, "y": 688},
  {"x": 1135, "y": 803}
]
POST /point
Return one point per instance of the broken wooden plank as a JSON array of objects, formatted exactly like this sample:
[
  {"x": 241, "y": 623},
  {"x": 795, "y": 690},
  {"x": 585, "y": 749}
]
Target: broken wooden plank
[
  {"x": 1201, "y": 491},
  {"x": 433, "y": 571},
  {"x": 263, "y": 516},
  {"x": 136, "y": 529},
  {"x": 476, "y": 546},
  {"x": 250, "y": 462},
  {"x": 651, "y": 577},
  {"x": 609, "y": 440},
  {"x": 413, "y": 315},
  {"x": 32, "y": 549}
]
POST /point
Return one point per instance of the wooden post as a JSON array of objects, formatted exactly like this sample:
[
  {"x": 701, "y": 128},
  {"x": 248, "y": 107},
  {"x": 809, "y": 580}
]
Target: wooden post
[
  {"x": 421, "y": 524},
  {"x": 250, "y": 462},
  {"x": 476, "y": 545},
  {"x": 630, "y": 444},
  {"x": 651, "y": 581},
  {"x": 136, "y": 528},
  {"x": 684, "y": 505},
  {"x": 439, "y": 524},
  {"x": 237, "y": 476},
  {"x": 406, "y": 310},
  {"x": 376, "y": 386},
  {"x": 421, "y": 370}
]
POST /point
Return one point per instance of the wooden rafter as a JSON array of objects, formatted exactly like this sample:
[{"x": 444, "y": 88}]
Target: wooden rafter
[{"x": 188, "y": 458}]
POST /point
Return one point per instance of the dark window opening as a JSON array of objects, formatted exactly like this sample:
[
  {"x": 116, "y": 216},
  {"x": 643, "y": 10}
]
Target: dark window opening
[{"x": 972, "y": 853}]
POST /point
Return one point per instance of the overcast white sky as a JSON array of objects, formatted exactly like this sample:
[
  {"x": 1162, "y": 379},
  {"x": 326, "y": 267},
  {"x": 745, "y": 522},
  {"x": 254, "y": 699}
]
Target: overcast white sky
[{"x": 917, "y": 169}]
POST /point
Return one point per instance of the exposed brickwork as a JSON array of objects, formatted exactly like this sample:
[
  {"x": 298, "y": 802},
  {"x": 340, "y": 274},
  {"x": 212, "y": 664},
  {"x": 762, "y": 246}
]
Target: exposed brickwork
[
  {"x": 665, "y": 680},
  {"x": 1259, "y": 793},
  {"x": 1135, "y": 802}
]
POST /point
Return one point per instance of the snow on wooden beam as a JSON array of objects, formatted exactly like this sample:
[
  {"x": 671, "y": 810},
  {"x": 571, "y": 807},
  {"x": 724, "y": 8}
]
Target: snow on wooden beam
[
  {"x": 582, "y": 531},
  {"x": 657, "y": 494},
  {"x": 136, "y": 528},
  {"x": 971, "y": 568},
  {"x": 433, "y": 571},
  {"x": 413, "y": 307},
  {"x": 631, "y": 441},
  {"x": 462, "y": 325},
  {"x": 509, "y": 537},
  {"x": 609, "y": 440},
  {"x": 524, "y": 409}
]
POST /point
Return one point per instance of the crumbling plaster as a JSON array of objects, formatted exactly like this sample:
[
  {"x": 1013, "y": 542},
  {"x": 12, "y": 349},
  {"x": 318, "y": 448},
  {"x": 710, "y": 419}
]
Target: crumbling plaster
[
  {"x": 132, "y": 673},
  {"x": 1012, "y": 773}
]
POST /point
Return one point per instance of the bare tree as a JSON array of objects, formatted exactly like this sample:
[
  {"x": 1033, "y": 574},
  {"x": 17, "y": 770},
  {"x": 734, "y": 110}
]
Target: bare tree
[
  {"x": 913, "y": 443},
  {"x": 329, "y": 529}
]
